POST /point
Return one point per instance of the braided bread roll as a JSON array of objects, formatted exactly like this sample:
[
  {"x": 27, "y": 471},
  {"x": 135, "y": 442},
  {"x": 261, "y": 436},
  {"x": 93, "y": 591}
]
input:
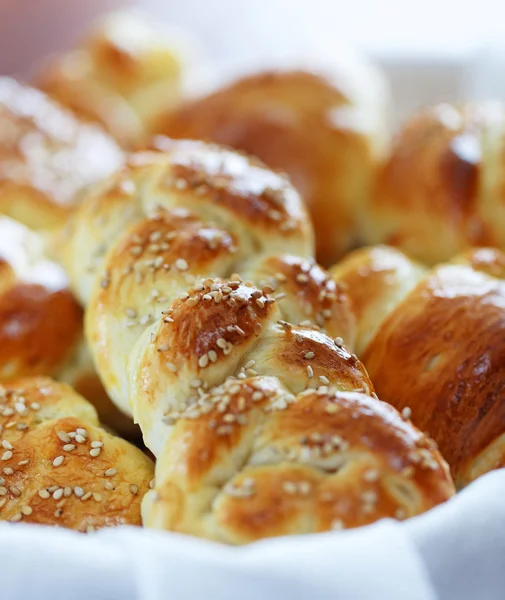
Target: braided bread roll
[
  {"x": 433, "y": 342},
  {"x": 41, "y": 322},
  {"x": 441, "y": 191},
  {"x": 325, "y": 127},
  {"x": 58, "y": 467},
  {"x": 123, "y": 75},
  {"x": 215, "y": 366},
  {"x": 47, "y": 157}
]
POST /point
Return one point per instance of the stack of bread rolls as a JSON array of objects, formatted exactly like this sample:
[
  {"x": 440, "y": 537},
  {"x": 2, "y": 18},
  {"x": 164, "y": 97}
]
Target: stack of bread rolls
[{"x": 275, "y": 396}]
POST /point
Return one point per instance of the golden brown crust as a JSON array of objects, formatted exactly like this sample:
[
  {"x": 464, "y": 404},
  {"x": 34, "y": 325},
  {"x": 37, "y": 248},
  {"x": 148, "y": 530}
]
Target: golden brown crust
[
  {"x": 47, "y": 157},
  {"x": 190, "y": 282},
  {"x": 442, "y": 189},
  {"x": 122, "y": 75},
  {"x": 375, "y": 279},
  {"x": 441, "y": 353},
  {"x": 251, "y": 461},
  {"x": 306, "y": 125},
  {"x": 57, "y": 467}
]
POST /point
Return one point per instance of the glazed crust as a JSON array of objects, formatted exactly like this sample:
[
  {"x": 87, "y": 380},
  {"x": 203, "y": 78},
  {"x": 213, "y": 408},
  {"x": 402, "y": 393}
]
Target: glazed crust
[
  {"x": 442, "y": 188},
  {"x": 122, "y": 76},
  {"x": 307, "y": 125},
  {"x": 41, "y": 322},
  {"x": 252, "y": 461},
  {"x": 58, "y": 467},
  {"x": 190, "y": 282},
  {"x": 437, "y": 348},
  {"x": 47, "y": 157}
]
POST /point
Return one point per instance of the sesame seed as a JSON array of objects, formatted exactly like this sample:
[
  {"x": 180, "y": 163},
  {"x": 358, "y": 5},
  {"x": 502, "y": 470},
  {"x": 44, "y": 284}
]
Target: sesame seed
[
  {"x": 309, "y": 355},
  {"x": 134, "y": 489},
  {"x": 110, "y": 472},
  {"x": 302, "y": 278},
  {"x": 86, "y": 496},
  {"x": 372, "y": 475},
  {"x": 406, "y": 413},
  {"x": 67, "y": 491},
  {"x": 324, "y": 379},
  {"x": 81, "y": 431},
  {"x": 152, "y": 484},
  {"x": 181, "y": 264},
  {"x": 78, "y": 491},
  {"x": 7, "y": 445},
  {"x": 3, "y": 501},
  {"x": 3, "y": 490},
  {"x": 58, "y": 461},
  {"x": 331, "y": 409},
  {"x": 222, "y": 343},
  {"x": 22, "y": 463},
  {"x": 171, "y": 367},
  {"x": 337, "y": 525},
  {"x": 289, "y": 487},
  {"x": 44, "y": 494},
  {"x": 69, "y": 447},
  {"x": 203, "y": 361},
  {"x": 257, "y": 328},
  {"x": 7, "y": 471},
  {"x": 339, "y": 342},
  {"x": 58, "y": 494},
  {"x": 96, "y": 444},
  {"x": 97, "y": 497},
  {"x": 212, "y": 354},
  {"x": 80, "y": 439},
  {"x": 26, "y": 510},
  {"x": 310, "y": 372},
  {"x": 16, "y": 518},
  {"x": 64, "y": 437},
  {"x": 7, "y": 455},
  {"x": 94, "y": 452}
]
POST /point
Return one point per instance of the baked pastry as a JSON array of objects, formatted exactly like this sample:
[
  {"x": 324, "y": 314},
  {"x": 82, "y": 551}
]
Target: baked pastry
[
  {"x": 41, "y": 323},
  {"x": 441, "y": 190},
  {"x": 47, "y": 157},
  {"x": 123, "y": 75},
  {"x": 225, "y": 373},
  {"x": 434, "y": 346},
  {"x": 251, "y": 460},
  {"x": 326, "y": 131},
  {"x": 58, "y": 467}
]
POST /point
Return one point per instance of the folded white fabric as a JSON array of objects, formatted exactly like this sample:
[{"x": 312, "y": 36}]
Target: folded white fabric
[{"x": 456, "y": 551}]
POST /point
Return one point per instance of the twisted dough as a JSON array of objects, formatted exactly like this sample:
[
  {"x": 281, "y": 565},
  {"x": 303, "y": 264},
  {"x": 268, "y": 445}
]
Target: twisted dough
[
  {"x": 233, "y": 378},
  {"x": 58, "y": 467},
  {"x": 433, "y": 342}
]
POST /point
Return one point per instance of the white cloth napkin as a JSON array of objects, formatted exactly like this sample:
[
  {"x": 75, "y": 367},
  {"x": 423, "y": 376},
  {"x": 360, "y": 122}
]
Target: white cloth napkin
[{"x": 456, "y": 551}]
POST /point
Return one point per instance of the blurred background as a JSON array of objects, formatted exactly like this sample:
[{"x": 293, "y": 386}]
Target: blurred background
[{"x": 431, "y": 50}]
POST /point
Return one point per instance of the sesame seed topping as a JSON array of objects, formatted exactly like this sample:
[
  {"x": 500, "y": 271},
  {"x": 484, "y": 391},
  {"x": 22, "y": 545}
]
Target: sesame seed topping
[
  {"x": 78, "y": 491},
  {"x": 96, "y": 444},
  {"x": 64, "y": 437},
  {"x": 86, "y": 496},
  {"x": 58, "y": 461},
  {"x": 110, "y": 472},
  {"x": 203, "y": 361},
  {"x": 309, "y": 355},
  {"x": 171, "y": 367},
  {"x": 134, "y": 489},
  {"x": 26, "y": 510},
  {"x": 7, "y": 445},
  {"x": 97, "y": 497},
  {"x": 44, "y": 494},
  {"x": 181, "y": 264},
  {"x": 310, "y": 372},
  {"x": 337, "y": 525},
  {"x": 58, "y": 494},
  {"x": 7, "y": 455},
  {"x": 339, "y": 342},
  {"x": 94, "y": 452},
  {"x": 80, "y": 439},
  {"x": 69, "y": 447},
  {"x": 331, "y": 409},
  {"x": 406, "y": 413},
  {"x": 324, "y": 379}
]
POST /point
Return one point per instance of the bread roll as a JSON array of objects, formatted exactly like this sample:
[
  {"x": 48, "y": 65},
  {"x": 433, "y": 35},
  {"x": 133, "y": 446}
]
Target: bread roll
[
  {"x": 252, "y": 460},
  {"x": 47, "y": 157},
  {"x": 41, "y": 323},
  {"x": 442, "y": 189},
  {"x": 434, "y": 346},
  {"x": 122, "y": 75},
  {"x": 203, "y": 322},
  {"x": 58, "y": 467},
  {"x": 326, "y": 131}
]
